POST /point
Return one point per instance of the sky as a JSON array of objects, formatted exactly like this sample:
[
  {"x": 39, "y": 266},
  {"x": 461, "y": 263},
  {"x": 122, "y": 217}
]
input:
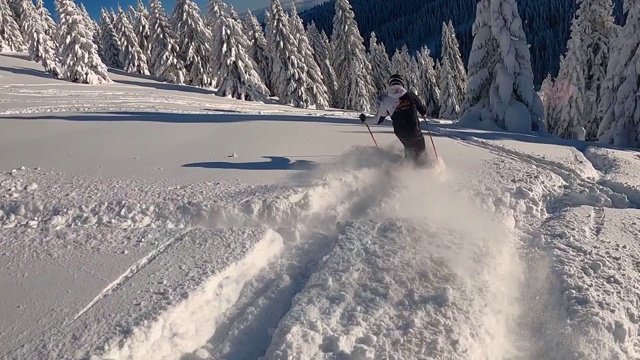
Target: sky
[{"x": 94, "y": 6}]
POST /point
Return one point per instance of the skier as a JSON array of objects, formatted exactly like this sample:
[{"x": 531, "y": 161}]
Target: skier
[{"x": 403, "y": 106}]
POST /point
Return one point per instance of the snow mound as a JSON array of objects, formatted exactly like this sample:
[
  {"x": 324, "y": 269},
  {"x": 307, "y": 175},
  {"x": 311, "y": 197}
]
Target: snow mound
[
  {"x": 517, "y": 118},
  {"x": 620, "y": 170}
]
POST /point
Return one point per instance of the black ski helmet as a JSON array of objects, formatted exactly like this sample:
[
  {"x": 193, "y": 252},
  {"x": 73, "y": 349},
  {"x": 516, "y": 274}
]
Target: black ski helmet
[{"x": 396, "y": 79}]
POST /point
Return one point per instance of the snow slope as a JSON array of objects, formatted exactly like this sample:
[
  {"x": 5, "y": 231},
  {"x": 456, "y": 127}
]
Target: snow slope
[{"x": 127, "y": 231}]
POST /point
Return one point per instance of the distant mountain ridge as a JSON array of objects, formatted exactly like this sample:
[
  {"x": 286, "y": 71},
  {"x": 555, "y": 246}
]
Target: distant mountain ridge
[
  {"x": 419, "y": 22},
  {"x": 301, "y": 5}
]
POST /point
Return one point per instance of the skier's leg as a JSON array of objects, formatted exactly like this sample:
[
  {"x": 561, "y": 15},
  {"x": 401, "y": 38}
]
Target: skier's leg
[{"x": 422, "y": 157}]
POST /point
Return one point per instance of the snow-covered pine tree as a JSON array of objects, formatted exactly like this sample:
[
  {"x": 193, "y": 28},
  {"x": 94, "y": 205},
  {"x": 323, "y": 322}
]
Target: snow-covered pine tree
[
  {"x": 17, "y": 8},
  {"x": 406, "y": 65},
  {"x": 322, "y": 53},
  {"x": 236, "y": 17},
  {"x": 554, "y": 95},
  {"x": 438, "y": 68},
  {"x": 194, "y": 41},
  {"x": 216, "y": 8},
  {"x": 41, "y": 47},
  {"x": 451, "y": 51},
  {"x": 481, "y": 67},
  {"x": 109, "y": 42},
  {"x": 605, "y": 34},
  {"x": 316, "y": 89},
  {"x": 558, "y": 94},
  {"x": 572, "y": 80},
  {"x": 430, "y": 88},
  {"x": 258, "y": 50},
  {"x": 449, "y": 107},
  {"x": 237, "y": 76},
  {"x": 502, "y": 59},
  {"x": 132, "y": 58},
  {"x": 28, "y": 21},
  {"x": 288, "y": 71},
  {"x": 513, "y": 95},
  {"x": 621, "y": 123},
  {"x": 141, "y": 28},
  {"x": 49, "y": 25},
  {"x": 80, "y": 60},
  {"x": 10, "y": 37},
  {"x": 163, "y": 62},
  {"x": 90, "y": 24},
  {"x": 356, "y": 90},
  {"x": 380, "y": 65},
  {"x": 592, "y": 32}
]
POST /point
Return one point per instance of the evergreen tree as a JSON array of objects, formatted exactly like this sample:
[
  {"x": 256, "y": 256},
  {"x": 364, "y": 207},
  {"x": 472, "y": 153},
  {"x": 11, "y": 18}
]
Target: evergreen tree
[
  {"x": 141, "y": 28},
  {"x": 110, "y": 42},
  {"x": 621, "y": 123},
  {"x": 90, "y": 24},
  {"x": 482, "y": 62},
  {"x": 322, "y": 54},
  {"x": 592, "y": 32},
  {"x": 164, "y": 62},
  {"x": 316, "y": 89},
  {"x": 237, "y": 76},
  {"x": 404, "y": 64},
  {"x": 428, "y": 82},
  {"x": 10, "y": 37},
  {"x": 501, "y": 83},
  {"x": 132, "y": 58},
  {"x": 288, "y": 71},
  {"x": 380, "y": 65},
  {"x": 548, "y": 96},
  {"x": 356, "y": 90},
  {"x": 17, "y": 8},
  {"x": 450, "y": 108},
  {"x": 258, "y": 50},
  {"x": 513, "y": 87},
  {"x": 556, "y": 96},
  {"x": 41, "y": 46},
  {"x": 438, "y": 70},
  {"x": 80, "y": 60},
  {"x": 572, "y": 81},
  {"x": 49, "y": 25},
  {"x": 193, "y": 41},
  {"x": 216, "y": 9},
  {"x": 451, "y": 51}
]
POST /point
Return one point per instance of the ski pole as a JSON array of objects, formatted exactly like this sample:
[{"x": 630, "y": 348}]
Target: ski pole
[
  {"x": 431, "y": 137},
  {"x": 374, "y": 139}
]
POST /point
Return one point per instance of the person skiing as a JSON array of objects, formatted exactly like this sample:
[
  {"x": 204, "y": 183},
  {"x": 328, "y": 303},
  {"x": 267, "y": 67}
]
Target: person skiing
[{"x": 403, "y": 106}]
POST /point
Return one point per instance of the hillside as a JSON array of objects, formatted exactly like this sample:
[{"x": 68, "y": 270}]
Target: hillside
[
  {"x": 419, "y": 22},
  {"x": 191, "y": 226}
]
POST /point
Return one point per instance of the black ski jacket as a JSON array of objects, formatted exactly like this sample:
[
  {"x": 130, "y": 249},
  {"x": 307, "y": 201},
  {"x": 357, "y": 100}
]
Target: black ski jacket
[{"x": 404, "y": 111}]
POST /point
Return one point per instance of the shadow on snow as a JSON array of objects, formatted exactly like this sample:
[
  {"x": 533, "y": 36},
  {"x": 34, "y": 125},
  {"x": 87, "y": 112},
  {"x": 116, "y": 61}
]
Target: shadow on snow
[
  {"x": 274, "y": 163},
  {"x": 26, "y": 71},
  {"x": 185, "y": 118}
]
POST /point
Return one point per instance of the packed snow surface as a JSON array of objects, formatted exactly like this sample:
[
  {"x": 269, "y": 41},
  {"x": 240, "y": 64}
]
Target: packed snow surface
[{"x": 142, "y": 220}]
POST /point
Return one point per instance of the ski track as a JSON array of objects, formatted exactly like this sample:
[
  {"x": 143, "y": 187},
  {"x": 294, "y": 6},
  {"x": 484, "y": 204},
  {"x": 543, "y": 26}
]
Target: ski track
[
  {"x": 566, "y": 319},
  {"x": 131, "y": 272}
]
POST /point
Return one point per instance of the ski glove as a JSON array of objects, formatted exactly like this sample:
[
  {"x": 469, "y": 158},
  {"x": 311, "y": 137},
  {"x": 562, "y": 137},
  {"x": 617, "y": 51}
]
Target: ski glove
[{"x": 363, "y": 118}]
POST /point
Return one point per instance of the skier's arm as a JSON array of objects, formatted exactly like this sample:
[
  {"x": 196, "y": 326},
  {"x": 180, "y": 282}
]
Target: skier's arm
[
  {"x": 419, "y": 105},
  {"x": 383, "y": 112},
  {"x": 371, "y": 120}
]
